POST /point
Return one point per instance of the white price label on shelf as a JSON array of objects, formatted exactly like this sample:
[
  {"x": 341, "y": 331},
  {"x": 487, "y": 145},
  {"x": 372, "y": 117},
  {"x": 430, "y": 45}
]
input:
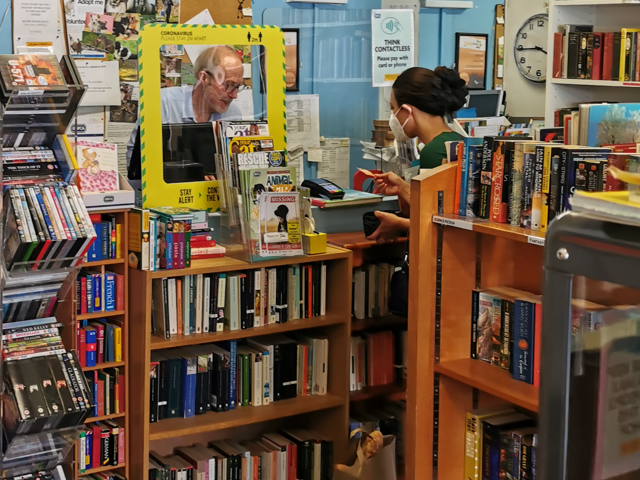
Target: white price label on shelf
[
  {"x": 535, "y": 240},
  {"x": 453, "y": 222}
]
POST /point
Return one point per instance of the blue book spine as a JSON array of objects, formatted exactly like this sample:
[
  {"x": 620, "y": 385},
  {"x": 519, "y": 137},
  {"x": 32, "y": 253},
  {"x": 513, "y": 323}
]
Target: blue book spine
[
  {"x": 97, "y": 292},
  {"x": 523, "y": 323},
  {"x": 95, "y": 250},
  {"x": 89, "y": 293},
  {"x": 233, "y": 353},
  {"x": 92, "y": 341},
  {"x": 89, "y": 449},
  {"x": 110, "y": 351},
  {"x": 189, "y": 370},
  {"x": 104, "y": 239},
  {"x": 109, "y": 292},
  {"x": 462, "y": 209},
  {"x": 45, "y": 214}
]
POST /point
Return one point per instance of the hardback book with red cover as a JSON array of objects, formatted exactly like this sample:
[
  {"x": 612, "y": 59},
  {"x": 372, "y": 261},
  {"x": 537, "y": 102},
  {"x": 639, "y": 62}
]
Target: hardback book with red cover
[
  {"x": 121, "y": 442},
  {"x": 607, "y": 56},
  {"x": 498, "y": 212},
  {"x": 100, "y": 399},
  {"x": 83, "y": 295},
  {"x": 96, "y": 445},
  {"x": 598, "y": 41},
  {"x": 100, "y": 341},
  {"x": 537, "y": 344},
  {"x": 82, "y": 347},
  {"x": 558, "y": 54},
  {"x": 119, "y": 292}
]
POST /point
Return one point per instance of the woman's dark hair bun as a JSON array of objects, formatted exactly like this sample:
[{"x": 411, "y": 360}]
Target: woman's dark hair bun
[{"x": 438, "y": 92}]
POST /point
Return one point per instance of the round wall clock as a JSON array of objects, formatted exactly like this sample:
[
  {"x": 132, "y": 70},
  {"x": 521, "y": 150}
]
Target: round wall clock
[{"x": 530, "y": 48}]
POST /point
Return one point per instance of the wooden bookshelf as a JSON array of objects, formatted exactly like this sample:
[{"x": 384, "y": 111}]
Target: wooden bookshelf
[
  {"x": 367, "y": 393},
  {"x": 328, "y": 414},
  {"x": 443, "y": 381},
  {"x": 68, "y": 312}
]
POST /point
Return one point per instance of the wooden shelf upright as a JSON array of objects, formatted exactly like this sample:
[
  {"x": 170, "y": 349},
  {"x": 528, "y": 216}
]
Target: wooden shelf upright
[
  {"x": 449, "y": 257},
  {"x": 67, "y": 314},
  {"x": 327, "y": 414}
]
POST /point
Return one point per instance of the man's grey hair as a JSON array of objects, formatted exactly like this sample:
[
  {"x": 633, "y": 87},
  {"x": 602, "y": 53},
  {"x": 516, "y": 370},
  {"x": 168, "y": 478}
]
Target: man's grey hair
[{"x": 211, "y": 57}]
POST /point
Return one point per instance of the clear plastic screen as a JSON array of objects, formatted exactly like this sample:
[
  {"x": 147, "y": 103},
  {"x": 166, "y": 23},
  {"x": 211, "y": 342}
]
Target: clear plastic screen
[
  {"x": 202, "y": 84},
  {"x": 604, "y": 401}
]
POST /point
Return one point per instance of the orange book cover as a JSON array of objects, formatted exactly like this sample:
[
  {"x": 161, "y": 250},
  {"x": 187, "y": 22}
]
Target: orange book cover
[{"x": 537, "y": 344}]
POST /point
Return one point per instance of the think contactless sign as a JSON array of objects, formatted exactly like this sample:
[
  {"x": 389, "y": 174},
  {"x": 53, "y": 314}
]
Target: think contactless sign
[
  {"x": 156, "y": 192},
  {"x": 392, "y": 44}
]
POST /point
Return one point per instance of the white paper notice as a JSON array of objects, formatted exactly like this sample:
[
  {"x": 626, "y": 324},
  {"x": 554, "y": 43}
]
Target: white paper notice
[
  {"x": 121, "y": 121},
  {"x": 245, "y": 103},
  {"x": 203, "y": 18},
  {"x": 102, "y": 81},
  {"x": 314, "y": 155},
  {"x": 303, "y": 120},
  {"x": 334, "y": 165},
  {"x": 38, "y": 23},
  {"x": 89, "y": 121},
  {"x": 75, "y": 16}
]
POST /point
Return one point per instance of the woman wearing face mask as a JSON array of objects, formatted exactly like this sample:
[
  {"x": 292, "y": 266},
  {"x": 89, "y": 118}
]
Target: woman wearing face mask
[{"x": 421, "y": 101}]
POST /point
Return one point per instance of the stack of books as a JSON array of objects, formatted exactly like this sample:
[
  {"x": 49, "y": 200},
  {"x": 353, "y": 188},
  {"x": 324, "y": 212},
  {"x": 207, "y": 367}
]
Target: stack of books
[
  {"x": 215, "y": 302},
  {"x": 192, "y": 381},
  {"x": 99, "y": 342},
  {"x": 373, "y": 359},
  {"x": 101, "y": 444},
  {"x": 108, "y": 244},
  {"x": 108, "y": 389},
  {"x": 280, "y": 456},
  {"x": 99, "y": 291}
]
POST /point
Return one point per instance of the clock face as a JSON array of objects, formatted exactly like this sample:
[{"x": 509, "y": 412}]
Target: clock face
[{"x": 530, "y": 48}]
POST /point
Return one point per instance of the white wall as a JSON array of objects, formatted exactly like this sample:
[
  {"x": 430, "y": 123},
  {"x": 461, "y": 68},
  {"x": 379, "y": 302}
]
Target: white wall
[{"x": 524, "y": 98}]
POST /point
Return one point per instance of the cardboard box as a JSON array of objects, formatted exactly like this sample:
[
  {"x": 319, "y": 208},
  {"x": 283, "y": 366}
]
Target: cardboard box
[{"x": 123, "y": 198}]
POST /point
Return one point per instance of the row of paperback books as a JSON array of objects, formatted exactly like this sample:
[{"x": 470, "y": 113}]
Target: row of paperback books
[
  {"x": 169, "y": 238},
  {"x": 206, "y": 303},
  {"x": 371, "y": 290},
  {"x": 506, "y": 330},
  {"x": 102, "y": 444},
  {"x": 387, "y": 417},
  {"x": 287, "y": 455},
  {"x": 99, "y": 342},
  {"x": 524, "y": 183},
  {"x": 581, "y": 53},
  {"x": 192, "y": 381},
  {"x": 49, "y": 226},
  {"x": 108, "y": 389},
  {"x": 373, "y": 359},
  {"x": 500, "y": 443},
  {"x": 108, "y": 243},
  {"x": 99, "y": 291}
]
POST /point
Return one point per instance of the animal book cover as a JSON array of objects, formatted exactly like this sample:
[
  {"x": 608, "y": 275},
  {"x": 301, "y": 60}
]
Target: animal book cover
[
  {"x": 98, "y": 166},
  {"x": 280, "y": 224},
  {"x": 616, "y": 123}
]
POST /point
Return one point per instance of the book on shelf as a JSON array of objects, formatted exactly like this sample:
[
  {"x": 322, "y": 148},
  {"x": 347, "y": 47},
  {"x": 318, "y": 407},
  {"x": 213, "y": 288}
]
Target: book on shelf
[
  {"x": 194, "y": 380},
  {"x": 373, "y": 360},
  {"x": 99, "y": 291},
  {"x": 208, "y": 303},
  {"x": 370, "y": 285},
  {"x": 103, "y": 445},
  {"x": 108, "y": 243}
]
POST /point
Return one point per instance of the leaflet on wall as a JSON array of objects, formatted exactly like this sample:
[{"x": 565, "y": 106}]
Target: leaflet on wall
[
  {"x": 76, "y": 15},
  {"x": 38, "y": 23},
  {"x": 102, "y": 81},
  {"x": 121, "y": 120},
  {"x": 303, "y": 120}
]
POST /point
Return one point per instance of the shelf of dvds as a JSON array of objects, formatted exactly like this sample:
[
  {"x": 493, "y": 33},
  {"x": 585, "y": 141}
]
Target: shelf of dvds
[
  {"x": 121, "y": 317},
  {"x": 326, "y": 414},
  {"x": 451, "y": 256}
]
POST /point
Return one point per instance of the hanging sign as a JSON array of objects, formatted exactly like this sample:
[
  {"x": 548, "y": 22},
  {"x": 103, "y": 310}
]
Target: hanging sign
[{"x": 392, "y": 44}]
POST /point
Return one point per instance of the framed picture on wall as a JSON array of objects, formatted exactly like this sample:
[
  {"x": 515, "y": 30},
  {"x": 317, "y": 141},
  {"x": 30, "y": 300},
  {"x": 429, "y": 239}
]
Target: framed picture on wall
[
  {"x": 292, "y": 60},
  {"x": 471, "y": 59}
]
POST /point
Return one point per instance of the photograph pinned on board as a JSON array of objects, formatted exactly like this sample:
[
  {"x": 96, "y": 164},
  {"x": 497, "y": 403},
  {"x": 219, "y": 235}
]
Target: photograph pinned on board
[
  {"x": 168, "y": 11},
  {"x": 127, "y": 112},
  {"x": 171, "y": 66},
  {"x": 186, "y": 72},
  {"x": 126, "y": 26},
  {"x": 144, "y": 7},
  {"x": 100, "y": 42},
  {"x": 291, "y": 38},
  {"x": 128, "y": 70},
  {"x": 126, "y": 91},
  {"x": 98, "y": 23},
  {"x": 175, "y": 81},
  {"x": 172, "y": 50},
  {"x": 125, "y": 50},
  {"x": 471, "y": 59}
]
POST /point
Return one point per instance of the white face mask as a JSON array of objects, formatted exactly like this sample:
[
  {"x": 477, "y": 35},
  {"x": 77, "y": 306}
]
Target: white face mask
[{"x": 396, "y": 128}]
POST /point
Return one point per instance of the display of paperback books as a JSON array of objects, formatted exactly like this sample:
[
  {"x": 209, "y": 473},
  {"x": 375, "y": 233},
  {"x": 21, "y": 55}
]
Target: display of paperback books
[
  {"x": 46, "y": 227},
  {"x": 207, "y": 303},
  {"x": 192, "y": 381}
]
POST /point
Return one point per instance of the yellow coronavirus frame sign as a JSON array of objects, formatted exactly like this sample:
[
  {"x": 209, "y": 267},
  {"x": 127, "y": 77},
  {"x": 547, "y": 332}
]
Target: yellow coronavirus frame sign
[{"x": 200, "y": 195}]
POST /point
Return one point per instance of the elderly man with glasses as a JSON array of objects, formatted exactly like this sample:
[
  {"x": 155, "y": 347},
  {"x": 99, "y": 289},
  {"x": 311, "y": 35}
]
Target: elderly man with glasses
[{"x": 218, "y": 72}]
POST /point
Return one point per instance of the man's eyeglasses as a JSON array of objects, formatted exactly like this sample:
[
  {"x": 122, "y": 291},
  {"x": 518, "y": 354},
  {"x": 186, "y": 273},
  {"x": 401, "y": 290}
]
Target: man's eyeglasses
[{"x": 230, "y": 88}]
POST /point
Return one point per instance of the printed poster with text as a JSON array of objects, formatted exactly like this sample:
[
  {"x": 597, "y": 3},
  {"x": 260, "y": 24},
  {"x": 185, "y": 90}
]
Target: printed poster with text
[{"x": 392, "y": 44}]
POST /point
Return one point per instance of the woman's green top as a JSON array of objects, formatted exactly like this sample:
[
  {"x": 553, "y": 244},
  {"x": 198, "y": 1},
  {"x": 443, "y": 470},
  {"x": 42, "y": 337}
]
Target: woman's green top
[{"x": 435, "y": 151}]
